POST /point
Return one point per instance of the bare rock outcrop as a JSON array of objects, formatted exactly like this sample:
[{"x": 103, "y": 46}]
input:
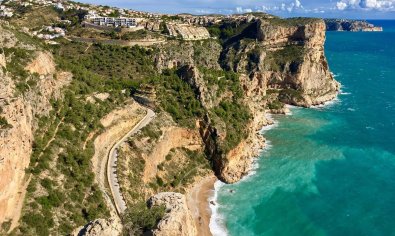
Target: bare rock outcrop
[
  {"x": 178, "y": 220},
  {"x": 188, "y": 32},
  {"x": 99, "y": 227},
  {"x": 43, "y": 64}
]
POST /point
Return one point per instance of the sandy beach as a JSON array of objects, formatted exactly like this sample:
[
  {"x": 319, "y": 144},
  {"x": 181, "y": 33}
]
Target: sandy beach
[{"x": 198, "y": 204}]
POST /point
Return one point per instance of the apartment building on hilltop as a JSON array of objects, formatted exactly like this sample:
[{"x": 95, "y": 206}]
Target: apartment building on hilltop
[{"x": 116, "y": 22}]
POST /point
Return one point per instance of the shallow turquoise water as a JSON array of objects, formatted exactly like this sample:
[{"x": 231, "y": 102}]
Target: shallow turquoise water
[{"x": 331, "y": 170}]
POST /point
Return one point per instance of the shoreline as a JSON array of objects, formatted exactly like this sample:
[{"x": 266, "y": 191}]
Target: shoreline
[
  {"x": 214, "y": 219},
  {"x": 204, "y": 192},
  {"x": 199, "y": 204}
]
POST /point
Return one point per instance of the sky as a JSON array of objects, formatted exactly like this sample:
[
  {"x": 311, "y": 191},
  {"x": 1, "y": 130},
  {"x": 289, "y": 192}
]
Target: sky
[{"x": 351, "y": 9}]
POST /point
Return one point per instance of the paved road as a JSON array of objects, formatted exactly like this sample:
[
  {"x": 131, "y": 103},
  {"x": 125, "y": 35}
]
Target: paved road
[{"x": 112, "y": 177}]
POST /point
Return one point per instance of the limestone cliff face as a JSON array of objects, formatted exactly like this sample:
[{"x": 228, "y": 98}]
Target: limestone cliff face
[
  {"x": 21, "y": 112},
  {"x": 178, "y": 220},
  {"x": 297, "y": 50}
]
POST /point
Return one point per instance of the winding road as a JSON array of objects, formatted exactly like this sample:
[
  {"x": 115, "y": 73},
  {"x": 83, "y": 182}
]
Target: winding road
[{"x": 112, "y": 177}]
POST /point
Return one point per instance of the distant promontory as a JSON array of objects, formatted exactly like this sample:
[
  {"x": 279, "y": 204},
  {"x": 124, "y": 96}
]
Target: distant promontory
[{"x": 350, "y": 25}]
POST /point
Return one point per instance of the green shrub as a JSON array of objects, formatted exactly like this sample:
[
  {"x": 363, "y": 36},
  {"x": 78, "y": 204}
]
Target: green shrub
[
  {"x": 4, "y": 123},
  {"x": 275, "y": 105},
  {"x": 138, "y": 218},
  {"x": 159, "y": 181}
]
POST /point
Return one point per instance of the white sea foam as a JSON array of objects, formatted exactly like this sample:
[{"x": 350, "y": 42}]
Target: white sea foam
[
  {"x": 327, "y": 104},
  {"x": 335, "y": 75},
  {"x": 217, "y": 227},
  {"x": 344, "y": 93},
  {"x": 268, "y": 127}
]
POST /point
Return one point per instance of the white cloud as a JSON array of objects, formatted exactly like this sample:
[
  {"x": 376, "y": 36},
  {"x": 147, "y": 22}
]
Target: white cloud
[
  {"x": 243, "y": 10},
  {"x": 298, "y": 4},
  {"x": 341, "y": 6},
  {"x": 379, "y": 5},
  {"x": 283, "y": 7}
]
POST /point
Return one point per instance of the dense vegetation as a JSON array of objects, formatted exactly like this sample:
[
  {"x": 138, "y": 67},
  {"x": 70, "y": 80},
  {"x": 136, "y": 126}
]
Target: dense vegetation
[
  {"x": 236, "y": 117},
  {"x": 231, "y": 110},
  {"x": 227, "y": 30},
  {"x": 139, "y": 218},
  {"x": 291, "y": 55},
  {"x": 19, "y": 59},
  {"x": 179, "y": 99}
]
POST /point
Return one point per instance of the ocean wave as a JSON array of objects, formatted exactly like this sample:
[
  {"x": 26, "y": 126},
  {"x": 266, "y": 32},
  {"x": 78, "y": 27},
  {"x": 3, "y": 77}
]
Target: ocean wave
[
  {"x": 335, "y": 75},
  {"x": 268, "y": 127},
  {"x": 290, "y": 108},
  {"x": 327, "y": 104},
  {"x": 216, "y": 225}
]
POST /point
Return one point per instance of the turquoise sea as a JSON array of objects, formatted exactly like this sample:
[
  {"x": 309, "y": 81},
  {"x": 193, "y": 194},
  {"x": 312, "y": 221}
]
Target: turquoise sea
[{"x": 328, "y": 170}]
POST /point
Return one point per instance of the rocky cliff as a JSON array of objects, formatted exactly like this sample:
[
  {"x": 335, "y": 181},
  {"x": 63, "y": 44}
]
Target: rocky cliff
[
  {"x": 178, "y": 220},
  {"x": 20, "y": 112},
  {"x": 284, "y": 57}
]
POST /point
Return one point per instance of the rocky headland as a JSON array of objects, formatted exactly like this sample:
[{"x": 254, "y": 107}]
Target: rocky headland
[{"x": 351, "y": 25}]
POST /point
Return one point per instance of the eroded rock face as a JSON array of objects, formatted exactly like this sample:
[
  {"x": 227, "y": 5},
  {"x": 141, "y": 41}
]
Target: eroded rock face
[
  {"x": 43, "y": 64},
  {"x": 20, "y": 112},
  {"x": 178, "y": 220},
  {"x": 99, "y": 227},
  {"x": 188, "y": 32},
  {"x": 309, "y": 75}
]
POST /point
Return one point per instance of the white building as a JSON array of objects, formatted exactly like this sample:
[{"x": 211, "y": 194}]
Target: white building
[{"x": 115, "y": 22}]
